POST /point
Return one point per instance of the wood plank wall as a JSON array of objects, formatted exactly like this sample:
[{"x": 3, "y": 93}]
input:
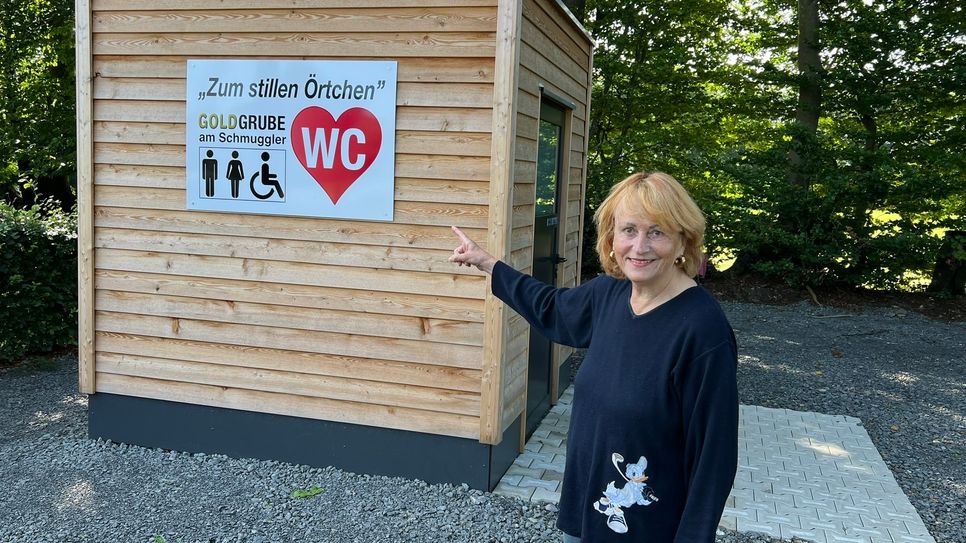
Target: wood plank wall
[
  {"x": 557, "y": 54},
  {"x": 352, "y": 321}
]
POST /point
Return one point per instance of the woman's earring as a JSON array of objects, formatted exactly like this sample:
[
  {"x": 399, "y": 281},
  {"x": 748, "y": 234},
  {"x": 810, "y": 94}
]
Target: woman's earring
[
  {"x": 612, "y": 255},
  {"x": 680, "y": 260}
]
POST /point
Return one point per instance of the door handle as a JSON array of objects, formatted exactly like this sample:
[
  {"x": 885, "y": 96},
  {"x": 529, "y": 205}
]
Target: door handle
[{"x": 555, "y": 259}]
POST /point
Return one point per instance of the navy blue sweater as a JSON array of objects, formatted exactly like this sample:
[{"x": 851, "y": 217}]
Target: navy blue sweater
[{"x": 652, "y": 446}]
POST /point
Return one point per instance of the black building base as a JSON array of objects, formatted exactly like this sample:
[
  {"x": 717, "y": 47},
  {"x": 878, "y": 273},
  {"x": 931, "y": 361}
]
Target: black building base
[{"x": 351, "y": 447}]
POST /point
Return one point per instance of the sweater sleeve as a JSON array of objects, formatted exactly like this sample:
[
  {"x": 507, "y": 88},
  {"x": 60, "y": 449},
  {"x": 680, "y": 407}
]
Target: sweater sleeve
[
  {"x": 563, "y": 315},
  {"x": 708, "y": 391}
]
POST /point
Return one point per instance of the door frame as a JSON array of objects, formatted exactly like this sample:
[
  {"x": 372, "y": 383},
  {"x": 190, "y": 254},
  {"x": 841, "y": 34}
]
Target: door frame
[
  {"x": 560, "y": 112},
  {"x": 567, "y": 108}
]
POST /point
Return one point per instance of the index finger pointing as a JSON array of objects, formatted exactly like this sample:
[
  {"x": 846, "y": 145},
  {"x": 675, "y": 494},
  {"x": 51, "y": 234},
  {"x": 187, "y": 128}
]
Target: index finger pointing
[{"x": 461, "y": 235}]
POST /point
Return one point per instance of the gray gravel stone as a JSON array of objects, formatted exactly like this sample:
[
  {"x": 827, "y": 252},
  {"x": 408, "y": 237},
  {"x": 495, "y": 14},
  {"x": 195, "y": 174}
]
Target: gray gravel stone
[{"x": 900, "y": 373}]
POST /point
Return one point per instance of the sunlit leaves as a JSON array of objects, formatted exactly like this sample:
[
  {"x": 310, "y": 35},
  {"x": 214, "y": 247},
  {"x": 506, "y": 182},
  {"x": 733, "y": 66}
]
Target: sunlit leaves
[
  {"x": 37, "y": 142},
  {"x": 714, "y": 108}
]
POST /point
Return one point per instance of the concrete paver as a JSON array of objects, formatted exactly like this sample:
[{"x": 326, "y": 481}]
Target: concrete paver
[{"x": 800, "y": 474}]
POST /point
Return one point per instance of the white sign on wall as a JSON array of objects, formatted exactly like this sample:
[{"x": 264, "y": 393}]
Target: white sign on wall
[{"x": 301, "y": 137}]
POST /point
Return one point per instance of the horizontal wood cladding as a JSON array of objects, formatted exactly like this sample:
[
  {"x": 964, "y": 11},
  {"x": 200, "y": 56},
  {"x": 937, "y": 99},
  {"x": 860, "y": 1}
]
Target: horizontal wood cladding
[
  {"x": 367, "y": 369},
  {"x": 515, "y": 372},
  {"x": 175, "y": 5},
  {"x": 524, "y": 193},
  {"x": 417, "y": 213},
  {"x": 288, "y": 382},
  {"x": 408, "y": 69},
  {"x": 518, "y": 340},
  {"x": 522, "y": 215},
  {"x": 407, "y": 141},
  {"x": 524, "y": 172},
  {"x": 527, "y": 115},
  {"x": 518, "y": 364},
  {"x": 521, "y": 237},
  {"x": 341, "y": 19},
  {"x": 261, "y": 226},
  {"x": 286, "y": 316},
  {"x": 516, "y": 388},
  {"x": 406, "y": 282},
  {"x": 551, "y": 21},
  {"x": 522, "y": 259},
  {"x": 383, "y": 348},
  {"x": 335, "y": 44},
  {"x": 413, "y": 189},
  {"x": 309, "y": 252},
  {"x": 409, "y": 189},
  {"x": 292, "y": 405},
  {"x": 432, "y": 94},
  {"x": 531, "y": 79},
  {"x": 407, "y": 118},
  {"x": 375, "y": 303},
  {"x": 526, "y": 148},
  {"x": 538, "y": 49}
]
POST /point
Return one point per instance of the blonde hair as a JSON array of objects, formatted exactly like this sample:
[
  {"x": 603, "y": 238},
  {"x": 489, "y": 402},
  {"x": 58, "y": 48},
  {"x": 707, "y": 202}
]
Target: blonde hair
[{"x": 662, "y": 199}]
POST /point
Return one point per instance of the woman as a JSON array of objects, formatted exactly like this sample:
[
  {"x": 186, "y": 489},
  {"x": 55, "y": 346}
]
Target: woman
[{"x": 658, "y": 383}]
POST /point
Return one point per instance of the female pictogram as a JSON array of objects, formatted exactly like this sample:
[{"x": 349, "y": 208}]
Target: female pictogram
[{"x": 235, "y": 173}]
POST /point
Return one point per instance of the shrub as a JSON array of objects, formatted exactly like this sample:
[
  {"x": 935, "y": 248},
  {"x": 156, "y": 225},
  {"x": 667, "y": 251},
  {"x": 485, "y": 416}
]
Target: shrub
[{"x": 38, "y": 280}]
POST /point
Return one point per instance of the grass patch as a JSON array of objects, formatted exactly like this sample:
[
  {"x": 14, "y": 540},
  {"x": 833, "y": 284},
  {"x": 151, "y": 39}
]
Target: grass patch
[{"x": 307, "y": 493}]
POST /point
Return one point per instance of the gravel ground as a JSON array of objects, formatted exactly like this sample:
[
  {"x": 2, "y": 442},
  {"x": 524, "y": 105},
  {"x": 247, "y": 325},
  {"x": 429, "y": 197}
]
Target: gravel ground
[{"x": 900, "y": 373}]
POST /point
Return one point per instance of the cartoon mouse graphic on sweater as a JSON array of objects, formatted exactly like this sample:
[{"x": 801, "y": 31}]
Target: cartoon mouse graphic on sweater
[{"x": 634, "y": 492}]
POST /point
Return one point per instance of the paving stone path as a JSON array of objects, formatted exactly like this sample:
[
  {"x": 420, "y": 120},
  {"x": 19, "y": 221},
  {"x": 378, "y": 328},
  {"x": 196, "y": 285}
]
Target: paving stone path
[{"x": 800, "y": 474}]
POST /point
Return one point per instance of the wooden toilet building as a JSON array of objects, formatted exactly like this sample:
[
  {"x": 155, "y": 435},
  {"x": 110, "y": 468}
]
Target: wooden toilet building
[{"x": 265, "y": 192}]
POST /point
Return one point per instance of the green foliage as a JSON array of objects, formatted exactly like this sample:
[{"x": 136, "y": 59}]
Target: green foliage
[
  {"x": 307, "y": 493},
  {"x": 37, "y": 101},
  {"x": 38, "y": 280},
  {"x": 886, "y": 170},
  {"x": 650, "y": 108},
  {"x": 708, "y": 92}
]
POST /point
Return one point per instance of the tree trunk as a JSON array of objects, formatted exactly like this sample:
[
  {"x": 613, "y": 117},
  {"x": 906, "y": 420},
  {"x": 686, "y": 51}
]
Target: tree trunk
[
  {"x": 870, "y": 180},
  {"x": 809, "y": 90},
  {"x": 949, "y": 273}
]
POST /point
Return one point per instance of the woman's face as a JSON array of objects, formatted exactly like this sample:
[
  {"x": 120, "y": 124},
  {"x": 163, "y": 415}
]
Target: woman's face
[{"x": 644, "y": 251}]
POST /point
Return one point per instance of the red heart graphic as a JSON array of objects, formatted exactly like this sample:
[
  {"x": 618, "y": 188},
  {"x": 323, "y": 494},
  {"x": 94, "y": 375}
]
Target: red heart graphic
[{"x": 336, "y": 152}]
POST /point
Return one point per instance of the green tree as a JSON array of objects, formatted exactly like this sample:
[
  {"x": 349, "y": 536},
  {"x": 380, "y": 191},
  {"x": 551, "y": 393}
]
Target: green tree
[
  {"x": 37, "y": 127},
  {"x": 650, "y": 107},
  {"x": 881, "y": 173}
]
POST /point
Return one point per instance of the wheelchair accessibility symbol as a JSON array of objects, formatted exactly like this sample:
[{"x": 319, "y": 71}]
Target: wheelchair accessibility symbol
[{"x": 266, "y": 178}]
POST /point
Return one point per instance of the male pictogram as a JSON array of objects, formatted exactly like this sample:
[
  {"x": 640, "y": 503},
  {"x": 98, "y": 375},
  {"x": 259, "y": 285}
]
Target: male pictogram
[
  {"x": 268, "y": 179},
  {"x": 209, "y": 172}
]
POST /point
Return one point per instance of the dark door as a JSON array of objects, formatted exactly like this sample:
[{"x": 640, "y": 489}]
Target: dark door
[{"x": 545, "y": 255}]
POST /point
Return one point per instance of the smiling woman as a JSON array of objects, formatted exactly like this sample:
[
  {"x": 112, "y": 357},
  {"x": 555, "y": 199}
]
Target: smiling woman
[{"x": 657, "y": 385}]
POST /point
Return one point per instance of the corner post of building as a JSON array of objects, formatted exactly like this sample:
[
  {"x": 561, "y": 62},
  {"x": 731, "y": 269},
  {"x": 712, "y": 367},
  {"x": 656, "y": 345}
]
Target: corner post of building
[
  {"x": 583, "y": 180},
  {"x": 505, "y": 82},
  {"x": 85, "y": 198}
]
